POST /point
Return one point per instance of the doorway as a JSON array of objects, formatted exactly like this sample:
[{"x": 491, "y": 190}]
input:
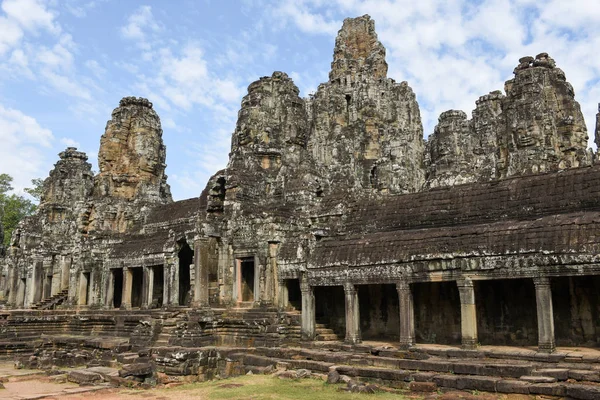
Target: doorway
[
  {"x": 157, "y": 286},
  {"x": 137, "y": 286},
  {"x": 186, "y": 258},
  {"x": 246, "y": 279},
  {"x": 117, "y": 276}
]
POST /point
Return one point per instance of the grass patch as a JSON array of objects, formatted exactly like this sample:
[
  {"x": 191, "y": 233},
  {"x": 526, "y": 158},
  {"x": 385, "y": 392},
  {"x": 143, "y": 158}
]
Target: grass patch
[{"x": 264, "y": 387}]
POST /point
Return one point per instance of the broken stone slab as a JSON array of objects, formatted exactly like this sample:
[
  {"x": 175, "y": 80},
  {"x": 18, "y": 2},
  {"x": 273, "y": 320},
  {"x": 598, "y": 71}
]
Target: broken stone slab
[
  {"x": 105, "y": 372},
  {"x": 538, "y": 379},
  {"x": 137, "y": 370},
  {"x": 333, "y": 377},
  {"x": 84, "y": 377}
]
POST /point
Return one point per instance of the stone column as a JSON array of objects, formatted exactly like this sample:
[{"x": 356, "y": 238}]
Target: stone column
[
  {"x": 407, "y": 315},
  {"x": 149, "y": 275},
  {"x": 545, "y": 315},
  {"x": 166, "y": 283},
  {"x": 201, "y": 273},
  {"x": 127, "y": 286},
  {"x": 352, "y": 314},
  {"x": 65, "y": 271},
  {"x": 468, "y": 314},
  {"x": 82, "y": 298},
  {"x": 109, "y": 289},
  {"x": 282, "y": 294},
  {"x": 308, "y": 311}
]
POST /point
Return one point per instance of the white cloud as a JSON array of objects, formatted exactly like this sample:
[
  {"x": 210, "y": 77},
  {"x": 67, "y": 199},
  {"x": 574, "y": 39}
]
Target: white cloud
[
  {"x": 95, "y": 68},
  {"x": 140, "y": 26},
  {"x": 11, "y": 34},
  {"x": 296, "y": 12},
  {"x": 23, "y": 142},
  {"x": 31, "y": 14},
  {"x": 453, "y": 51}
]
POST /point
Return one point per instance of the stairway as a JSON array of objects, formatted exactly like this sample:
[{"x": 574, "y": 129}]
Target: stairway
[
  {"x": 325, "y": 334},
  {"x": 50, "y": 303},
  {"x": 168, "y": 327}
]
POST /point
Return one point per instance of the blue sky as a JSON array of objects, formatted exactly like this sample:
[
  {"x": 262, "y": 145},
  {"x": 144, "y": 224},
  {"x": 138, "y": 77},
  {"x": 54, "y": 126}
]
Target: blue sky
[{"x": 65, "y": 64}]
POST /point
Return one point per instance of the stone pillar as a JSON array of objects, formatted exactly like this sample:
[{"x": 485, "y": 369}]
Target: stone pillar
[
  {"x": 166, "y": 283},
  {"x": 82, "y": 298},
  {"x": 127, "y": 286},
  {"x": 149, "y": 285},
  {"x": 282, "y": 294},
  {"x": 352, "y": 314},
  {"x": 201, "y": 249},
  {"x": 65, "y": 271},
  {"x": 468, "y": 314},
  {"x": 109, "y": 289},
  {"x": 174, "y": 281},
  {"x": 545, "y": 315},
  {"x": 407, "y": 315},
  {"x": 308, "y": 311}
]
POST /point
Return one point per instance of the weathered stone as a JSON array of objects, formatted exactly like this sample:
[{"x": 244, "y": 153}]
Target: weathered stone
[
  {"x": 538, "y": 379},
  {"x": 512, "y": 386},
  {"x": 138, "y": 370},
  {"x": 367, "y": 128},
  {"x": 132, "y": 154},
  {"x": 333, "y": 377},
  {"x": 422, "y": 386},
  {"x": 84, "y": 377},
  {"x": 332, "y": 205},
  {"x": 583, "y": 392}
]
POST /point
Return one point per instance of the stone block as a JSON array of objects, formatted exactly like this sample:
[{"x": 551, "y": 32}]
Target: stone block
[
  {"x": 483, "y": 383},
  {"x": 538, "y": 379},
  {"x": 138, "y": 370},
  {"x": 548, "y": 389},
  {"x": 84, "y": 377},
  {"x": 561, "y": 374},
  {"x": 446, "y": 380},
  {"x": 422, "y": 386},
  {"x": 583, "y": 392},
  {"x": 512, "y": 386}
]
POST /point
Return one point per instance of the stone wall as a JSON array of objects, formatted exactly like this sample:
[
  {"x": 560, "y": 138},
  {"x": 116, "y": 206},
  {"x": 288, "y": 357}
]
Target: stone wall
[{"x": 334, "y": 192}]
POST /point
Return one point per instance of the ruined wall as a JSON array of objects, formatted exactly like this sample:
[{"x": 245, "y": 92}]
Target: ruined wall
[
  {"x": 366, "y": 128},
  {"x": 316, "y": 187},
  {"x": 132, "y": 154},
  {"x": 536, "y": 127}
]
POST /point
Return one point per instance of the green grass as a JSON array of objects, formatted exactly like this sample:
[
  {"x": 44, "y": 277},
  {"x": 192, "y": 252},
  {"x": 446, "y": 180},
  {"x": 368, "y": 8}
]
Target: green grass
[{"x": 263, "y": 387}]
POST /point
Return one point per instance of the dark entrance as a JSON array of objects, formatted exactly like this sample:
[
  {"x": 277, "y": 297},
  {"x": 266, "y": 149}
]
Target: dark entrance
[
  {"x": 437, "y": 312},
  {"x": 86, "y": 288},
  {"x": 48, "y": 287},
  {"x": 117, "y": 276},
  {"x": 294, "y": 293},
  {"x": 137, "y": 286},
  {"x": 379, "y": 312},
  {"x": 330, "y": 309},
  {"x": 186, "y": 258},
  {"x": 158, "y": 287},
  {"x": 576, "y": 305},
  {"x": 247, "y": 278},
  {"x": 506, "y": 312}
]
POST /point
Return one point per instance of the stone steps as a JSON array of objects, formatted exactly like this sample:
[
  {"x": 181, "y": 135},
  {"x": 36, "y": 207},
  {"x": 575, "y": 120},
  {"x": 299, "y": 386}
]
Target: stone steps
[
  {"x": 481, "y": 375},
  {"x": 48, "y": 302}
]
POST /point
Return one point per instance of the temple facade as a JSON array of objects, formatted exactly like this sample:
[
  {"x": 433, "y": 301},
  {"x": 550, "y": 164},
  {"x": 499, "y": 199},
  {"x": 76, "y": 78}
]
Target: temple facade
[{"x": 336, "y": 208}]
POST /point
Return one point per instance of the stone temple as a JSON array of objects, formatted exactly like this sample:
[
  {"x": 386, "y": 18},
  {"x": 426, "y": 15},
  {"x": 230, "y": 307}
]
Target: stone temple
[{"x": 334, "y": 225}]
